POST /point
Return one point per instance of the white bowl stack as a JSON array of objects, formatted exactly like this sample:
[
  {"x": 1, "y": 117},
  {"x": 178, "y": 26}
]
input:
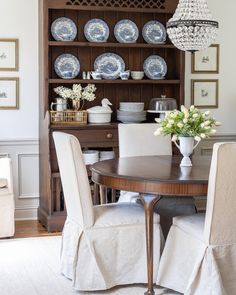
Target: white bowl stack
[
  {"x": 131, "y": 112},
  {"x": 106, "y": 155},
  {"x": 90, "y": 157}
]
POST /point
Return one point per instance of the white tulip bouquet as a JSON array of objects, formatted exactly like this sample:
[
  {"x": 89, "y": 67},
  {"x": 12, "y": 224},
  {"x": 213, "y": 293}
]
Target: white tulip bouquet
[{"x": 187, "y": 122}]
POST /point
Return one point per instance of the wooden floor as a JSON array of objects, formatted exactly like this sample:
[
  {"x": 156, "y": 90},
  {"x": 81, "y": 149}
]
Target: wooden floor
[{"x": 31, "y": 228}]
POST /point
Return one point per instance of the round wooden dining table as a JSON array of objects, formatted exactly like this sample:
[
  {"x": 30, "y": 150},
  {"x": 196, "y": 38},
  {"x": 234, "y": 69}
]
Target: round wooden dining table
[{"x": 153, "y": 177}]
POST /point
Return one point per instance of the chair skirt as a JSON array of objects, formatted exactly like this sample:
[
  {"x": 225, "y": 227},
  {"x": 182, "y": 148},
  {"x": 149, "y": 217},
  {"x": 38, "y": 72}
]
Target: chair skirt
[
  {"x": 103, "y": 257},
  {"x": 7, "y": 210},
  {"x": 190, "y": 266}
]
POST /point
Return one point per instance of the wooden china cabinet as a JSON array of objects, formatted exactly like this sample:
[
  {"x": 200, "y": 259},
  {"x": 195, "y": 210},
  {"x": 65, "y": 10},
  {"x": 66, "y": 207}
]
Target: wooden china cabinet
[{"x": 52, "y": 210}]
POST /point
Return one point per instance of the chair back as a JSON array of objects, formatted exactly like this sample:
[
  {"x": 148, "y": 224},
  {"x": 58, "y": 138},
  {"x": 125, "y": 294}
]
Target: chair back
[
  {"x": 6, "y": 172},
  {"x": 221, "y": 199},
  {"x": 74, "y": 179},
  {"x": 139, "y": 140}
]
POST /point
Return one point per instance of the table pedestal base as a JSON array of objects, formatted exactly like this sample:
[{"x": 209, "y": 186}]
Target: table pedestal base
[{"x": 149, "y": 202}]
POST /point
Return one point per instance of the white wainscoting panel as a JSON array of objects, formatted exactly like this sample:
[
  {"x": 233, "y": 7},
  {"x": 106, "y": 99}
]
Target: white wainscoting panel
[
  {"x": 28, "y": 177},
  {"x": 25, "y": 161}
]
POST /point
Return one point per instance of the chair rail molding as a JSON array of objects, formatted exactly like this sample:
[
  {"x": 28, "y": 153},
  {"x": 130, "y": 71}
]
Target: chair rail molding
[
  {"x": 205, "y": 147},
  {"x": 25, "y": 161}
]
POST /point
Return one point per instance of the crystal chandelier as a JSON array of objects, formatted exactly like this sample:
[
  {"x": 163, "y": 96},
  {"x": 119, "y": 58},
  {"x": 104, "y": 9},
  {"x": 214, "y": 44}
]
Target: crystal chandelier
[{"x": 192, "y": 27}]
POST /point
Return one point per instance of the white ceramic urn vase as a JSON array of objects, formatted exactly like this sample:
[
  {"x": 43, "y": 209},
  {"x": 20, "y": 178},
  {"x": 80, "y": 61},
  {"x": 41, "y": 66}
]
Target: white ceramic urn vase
[{"x": 186, "y": 147}]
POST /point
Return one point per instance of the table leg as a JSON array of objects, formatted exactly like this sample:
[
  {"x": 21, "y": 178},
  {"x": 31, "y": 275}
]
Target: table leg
[
  {"x": 149, "y": 203},
  {"x": 103, "y": 195},
  {"x": 96, "y": 194}
]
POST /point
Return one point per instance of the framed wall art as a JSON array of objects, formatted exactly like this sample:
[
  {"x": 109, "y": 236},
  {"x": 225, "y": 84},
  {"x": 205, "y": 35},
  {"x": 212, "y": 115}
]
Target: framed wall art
[
  {"x": 205, "y": 93},
  {"x": 9, "y": 55},
  {"x": 9, "y": 93},
  {"x": 206, "y": 61}
]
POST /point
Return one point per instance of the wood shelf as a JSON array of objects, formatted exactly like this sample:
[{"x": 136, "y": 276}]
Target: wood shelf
[
  {"x": 111, "y": 44},
  {"x": 91, "y": 81}
]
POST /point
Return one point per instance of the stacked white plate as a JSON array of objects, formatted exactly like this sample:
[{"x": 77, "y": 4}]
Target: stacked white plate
[
  {"x": 107, "y": 155},
  {"x": 90, "y": 157},
  {"x": 131, "y": 112}
]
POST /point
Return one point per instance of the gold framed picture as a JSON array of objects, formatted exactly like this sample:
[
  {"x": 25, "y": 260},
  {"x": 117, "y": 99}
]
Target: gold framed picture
[
  {"x": 205, "y": 93},
  {"x": 9, "y": 54},
  {"x": 9, "y": 93},
  {"x": 206, "y": 61}
]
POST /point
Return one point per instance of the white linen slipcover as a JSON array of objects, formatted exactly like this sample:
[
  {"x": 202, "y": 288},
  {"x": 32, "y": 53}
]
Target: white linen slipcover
[
  {"x": 3, "y": 182},
  {"x": 139, "y": 140},
  {"x": 200, "y": 252},
  {"x": 102, "y": 246},
  {"x": 7, "y": 206}
]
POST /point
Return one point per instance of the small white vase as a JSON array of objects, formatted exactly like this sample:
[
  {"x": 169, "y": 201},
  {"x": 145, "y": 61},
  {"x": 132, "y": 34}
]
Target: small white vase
[{"x": 186, "y": 147}]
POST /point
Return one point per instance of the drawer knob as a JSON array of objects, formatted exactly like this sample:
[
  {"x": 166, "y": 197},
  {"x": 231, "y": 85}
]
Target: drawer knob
[{"x": 109, "y": 135}]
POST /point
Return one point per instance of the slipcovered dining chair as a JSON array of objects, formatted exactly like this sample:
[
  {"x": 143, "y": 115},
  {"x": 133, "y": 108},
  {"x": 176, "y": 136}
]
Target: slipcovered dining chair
[
  {"x": 102, "y": 246},
  {"x": 200, "y": 252},
  {"x": 139, "y": 140},
  {"x": 7, "y": 204}
]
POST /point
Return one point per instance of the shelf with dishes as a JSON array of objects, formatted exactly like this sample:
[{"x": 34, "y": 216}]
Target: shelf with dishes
[
  {"x": 87, "y": 81},
  {"x": 110, "y": 45},
  {"x": 97, "y": 30}
]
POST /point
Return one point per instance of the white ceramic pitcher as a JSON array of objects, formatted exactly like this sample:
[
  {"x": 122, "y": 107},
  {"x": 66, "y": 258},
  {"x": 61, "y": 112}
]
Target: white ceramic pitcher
[{"x": 61, "y": 104}]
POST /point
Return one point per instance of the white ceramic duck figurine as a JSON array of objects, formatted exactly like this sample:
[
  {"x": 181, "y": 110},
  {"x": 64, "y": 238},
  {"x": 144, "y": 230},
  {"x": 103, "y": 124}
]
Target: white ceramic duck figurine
[{"x": 104, "y": 108}]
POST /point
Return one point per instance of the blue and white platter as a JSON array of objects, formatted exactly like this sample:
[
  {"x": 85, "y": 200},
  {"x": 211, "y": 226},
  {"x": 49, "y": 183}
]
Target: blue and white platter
[
  {"x": 64, "y": 29},
  {"x": 154, "y": 32},
  {"x": 67, "y": 66},
  {"x": 110, "y": 65},
  {"x": 126, "y": 31},
  {"x": 96, "y": 30},
  {"x": 155, "y": 67}
]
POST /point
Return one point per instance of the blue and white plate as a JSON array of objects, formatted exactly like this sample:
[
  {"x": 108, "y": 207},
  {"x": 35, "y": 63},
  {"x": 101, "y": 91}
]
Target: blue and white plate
[
  {"x": 126, "y": 31},
  {"x": 110, "y": 65},
  {"x": 67, "y": 66},
  {"x": 154, "y": 32},
  {"x": 64, "y": 29},
  {"x": 96, "y": 30},
  {"x": 155, "y": 67}
]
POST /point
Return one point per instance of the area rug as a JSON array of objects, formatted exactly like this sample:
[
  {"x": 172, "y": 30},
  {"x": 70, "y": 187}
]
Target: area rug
[{"x": 31, "y": 266}]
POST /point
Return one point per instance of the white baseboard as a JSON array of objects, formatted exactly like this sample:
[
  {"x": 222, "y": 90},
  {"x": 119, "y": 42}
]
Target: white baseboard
[{"x": 26, "y": 213}]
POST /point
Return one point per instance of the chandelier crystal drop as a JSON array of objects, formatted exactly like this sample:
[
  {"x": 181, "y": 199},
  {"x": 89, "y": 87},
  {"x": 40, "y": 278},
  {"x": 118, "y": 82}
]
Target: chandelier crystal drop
[{"x": 192, "y": 27}]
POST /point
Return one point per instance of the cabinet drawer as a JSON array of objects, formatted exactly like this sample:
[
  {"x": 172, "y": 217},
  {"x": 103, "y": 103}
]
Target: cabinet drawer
[{"x": 94, "y": 138}]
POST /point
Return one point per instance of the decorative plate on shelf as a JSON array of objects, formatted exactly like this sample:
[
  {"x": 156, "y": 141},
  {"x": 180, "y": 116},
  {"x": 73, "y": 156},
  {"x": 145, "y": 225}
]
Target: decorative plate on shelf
[
  {"x": 64, "y": 29},
  {"x": 110, "y": 65},
  {"x": 154, "y": 32},
  {"x": 96, "y": 30},
  {"x": 155, "y": 67},
  {"x": 67, "y": 66},
  {"x": 126, "y": 31}
]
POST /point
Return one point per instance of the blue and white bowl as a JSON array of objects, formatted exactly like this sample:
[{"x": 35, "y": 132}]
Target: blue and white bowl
[{"x": 64, "y": 29}]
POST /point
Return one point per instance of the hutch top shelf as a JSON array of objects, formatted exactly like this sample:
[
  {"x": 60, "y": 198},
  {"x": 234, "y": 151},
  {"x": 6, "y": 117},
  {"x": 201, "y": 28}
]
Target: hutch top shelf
[{"x": 144, "y": 6}]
